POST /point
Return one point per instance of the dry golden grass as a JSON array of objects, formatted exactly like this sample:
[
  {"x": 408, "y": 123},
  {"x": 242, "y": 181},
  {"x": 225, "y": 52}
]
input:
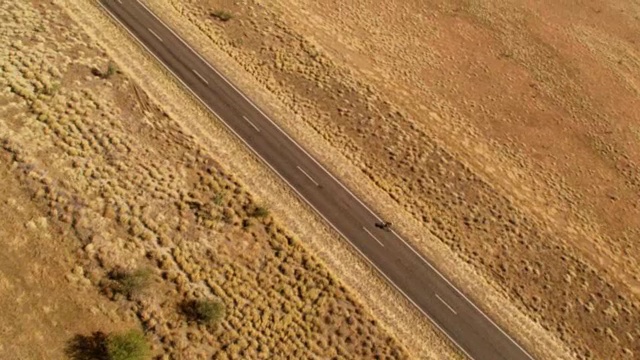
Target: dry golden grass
[
  {"x": 135, "y": 190},
  {"x": 521, "y": 155}
]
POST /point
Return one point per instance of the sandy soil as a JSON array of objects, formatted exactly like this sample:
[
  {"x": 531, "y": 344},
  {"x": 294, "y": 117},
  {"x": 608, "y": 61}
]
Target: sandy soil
[
  {"x": 98, "y": 176},
  {"x": 510, "y": 131}
]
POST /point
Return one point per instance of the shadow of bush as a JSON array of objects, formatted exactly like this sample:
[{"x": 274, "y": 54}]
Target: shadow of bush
[{"x": 88, "y": 347}]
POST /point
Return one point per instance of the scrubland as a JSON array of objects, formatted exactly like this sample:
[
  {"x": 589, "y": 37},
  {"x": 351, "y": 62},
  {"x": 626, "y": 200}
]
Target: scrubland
[
  {"x": 509, "y": 131},
  {"x": 99, "y": 180}
]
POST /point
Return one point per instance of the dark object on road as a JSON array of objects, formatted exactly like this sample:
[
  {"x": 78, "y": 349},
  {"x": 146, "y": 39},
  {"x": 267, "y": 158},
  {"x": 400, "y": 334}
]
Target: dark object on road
[{"x": 383, "y": 225}]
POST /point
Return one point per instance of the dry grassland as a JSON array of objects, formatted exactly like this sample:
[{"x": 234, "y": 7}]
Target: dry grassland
[
  {"x": 120, "y": 185},
  {"x": 508, "y": 130}
]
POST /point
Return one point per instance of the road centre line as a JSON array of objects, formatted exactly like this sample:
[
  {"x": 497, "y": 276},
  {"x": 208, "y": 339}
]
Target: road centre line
[
  {"x": 373, "y": 236},
  {"x": 307, "y": 175},
  {"x": 447, "y": 305},
  {"x": 252, "y": 124},
  {"x": 325, "y": 170},
  {"x": 200, "y": 76},
  {"x": 154, "y": 34}
]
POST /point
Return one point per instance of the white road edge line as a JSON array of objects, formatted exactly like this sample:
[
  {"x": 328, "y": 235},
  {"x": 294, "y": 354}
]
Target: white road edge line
[
  {"x": 373, "y": 236},
  {"x": 200, "y": 76},
  {"x": 323, "y": 168},
  {"x": 154, "y": 34},
  {"x": 252, "y": 124},
  {"x": 309, "y": 176},
  {"x": 447, "y": 305}
]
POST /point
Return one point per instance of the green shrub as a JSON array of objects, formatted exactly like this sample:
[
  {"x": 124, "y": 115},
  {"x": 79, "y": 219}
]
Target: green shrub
[
  {"x": 208, "y": 312},
  {"x": 130, "y": 345},
  {"x": 221, "y": 15}
]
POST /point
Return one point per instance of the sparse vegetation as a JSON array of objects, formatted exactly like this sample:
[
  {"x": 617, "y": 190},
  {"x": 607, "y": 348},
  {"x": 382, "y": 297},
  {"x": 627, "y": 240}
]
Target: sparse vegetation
[{"x": 221, "y": 15}]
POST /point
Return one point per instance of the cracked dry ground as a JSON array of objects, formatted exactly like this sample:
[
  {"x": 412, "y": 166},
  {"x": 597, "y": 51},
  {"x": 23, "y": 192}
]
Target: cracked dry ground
[
  {"x": 128, "y": 188},
  {"x": 521, "y": 155}
]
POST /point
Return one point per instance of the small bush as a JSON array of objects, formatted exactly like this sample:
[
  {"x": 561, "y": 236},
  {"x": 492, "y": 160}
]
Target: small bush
[
  {"x": 129, "y": 283},
  {"x": 127, "y": 346},
  {"x": 221, "y": 15},
  {"x": 219, "y": 199},
  {"x": 208, "y": 312},
  {"x": 111, "y": 70},
  {"x": 260, "y": 212},
  {"x": 51, "y": 89}
]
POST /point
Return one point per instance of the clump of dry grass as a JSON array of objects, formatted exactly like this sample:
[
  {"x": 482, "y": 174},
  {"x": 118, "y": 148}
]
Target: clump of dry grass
[{"x": 222, "y": 15}]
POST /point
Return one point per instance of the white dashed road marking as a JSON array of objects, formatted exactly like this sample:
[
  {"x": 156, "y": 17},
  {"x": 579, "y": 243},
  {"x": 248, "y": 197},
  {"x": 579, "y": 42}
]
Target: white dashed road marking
[
  {"x": 370, "y": 234},
  {"x": 307, "y": 175},
  {"x": 447, "y": 305},
  {"x": 200, "y": 76},
  {"x": 154, "y": 34},
  {"x": 252, "y": 124}
]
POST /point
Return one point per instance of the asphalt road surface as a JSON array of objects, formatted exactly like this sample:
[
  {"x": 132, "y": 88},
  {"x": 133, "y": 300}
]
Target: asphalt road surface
[{"x": 451, "y": 311}]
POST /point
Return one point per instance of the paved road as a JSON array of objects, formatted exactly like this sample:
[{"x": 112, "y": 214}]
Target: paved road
[{"x": 466, "y": 325}]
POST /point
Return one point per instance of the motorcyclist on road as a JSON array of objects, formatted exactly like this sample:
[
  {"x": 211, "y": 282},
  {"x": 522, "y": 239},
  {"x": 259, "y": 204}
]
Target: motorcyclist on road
[{"x": 383, "y": 225}]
